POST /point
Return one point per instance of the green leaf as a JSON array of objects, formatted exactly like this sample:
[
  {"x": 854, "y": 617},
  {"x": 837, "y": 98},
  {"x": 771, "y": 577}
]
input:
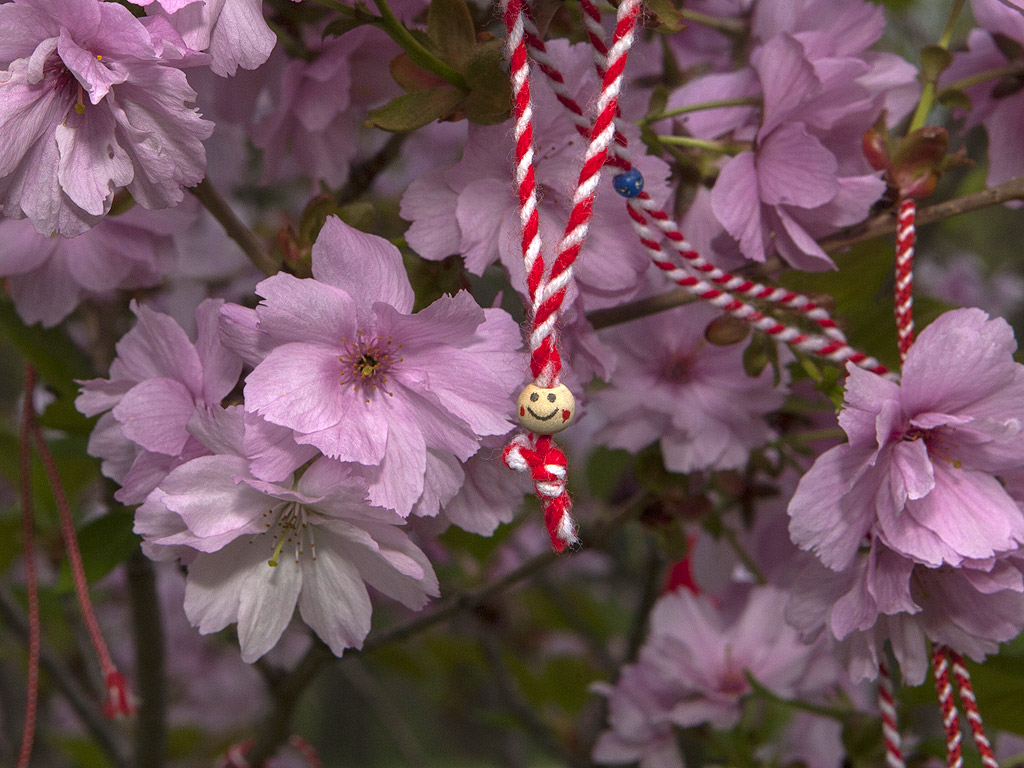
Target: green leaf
[
  {"x": 313, "y": 217},
  {"x": 106, "y": 542},
  {"x": 344, "y": 24},
  {"x": 52, "y": 353},
  {"x": 361, "y": 214},
  {"x": 658, "y": 102},
  {"x": 862, "y": 292},
  {"x": 666, "y": 16},
  {"x": 490, "y": 95},
  {"x": 414, "y": 110},
  {"x": 450, "y": 26},
  {"x": 757, "y": 354}
]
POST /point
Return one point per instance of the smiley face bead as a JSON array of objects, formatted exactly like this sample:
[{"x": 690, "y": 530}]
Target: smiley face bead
[{"x": 545, "y": 411}]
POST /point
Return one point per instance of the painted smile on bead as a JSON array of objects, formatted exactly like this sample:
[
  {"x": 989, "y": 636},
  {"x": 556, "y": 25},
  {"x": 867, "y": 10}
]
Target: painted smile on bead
[
  {"x": 534, "y": 398},
  {"x": 538, "y": 416}
]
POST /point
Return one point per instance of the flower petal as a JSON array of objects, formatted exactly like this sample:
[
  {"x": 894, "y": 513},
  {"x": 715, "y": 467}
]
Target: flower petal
[
  {"x": 267, "y": 604},
  {"x": 736, "y": 204},
  {"x": 334, "y": 600},
  {"x": 367, "y": 267},
  {"x": 794, "y": 168},
  {"x": 155, "y": 414},
  {"x": 305, "y": 310}
]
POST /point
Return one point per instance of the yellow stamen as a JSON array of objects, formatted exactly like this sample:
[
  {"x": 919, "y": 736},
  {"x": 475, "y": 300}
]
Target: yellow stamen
[{"x": 272, "y": 562}]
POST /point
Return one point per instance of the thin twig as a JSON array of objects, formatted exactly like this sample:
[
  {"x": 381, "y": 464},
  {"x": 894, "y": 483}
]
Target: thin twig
[
  {"x": 150, "y": 679},
  {"x": 649, "y": 592},
  {"x": 651, "y": 305},
  {"x": 276, "y": 726},
  {"x": 85, "y": 706},
  {"x": 885, "y": 223},
  {"x": 362, "y": 175},
  {"x": 513, "y": 700},
  {"x": 882, "y": 224},
  {"x": 218, "y": 207},
  {"x": 401, "y": 736}
]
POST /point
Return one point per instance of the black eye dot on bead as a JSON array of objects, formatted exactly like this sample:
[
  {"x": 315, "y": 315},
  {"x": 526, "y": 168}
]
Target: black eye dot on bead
[
  {"x": 551, "y": 397},
  {"x": 534, "y": 397}
]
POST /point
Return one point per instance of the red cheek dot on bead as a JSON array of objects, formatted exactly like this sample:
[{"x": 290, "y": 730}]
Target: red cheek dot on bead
[
  {"x": 566, "y": 414},
  {"x": 522, "y": 411}
]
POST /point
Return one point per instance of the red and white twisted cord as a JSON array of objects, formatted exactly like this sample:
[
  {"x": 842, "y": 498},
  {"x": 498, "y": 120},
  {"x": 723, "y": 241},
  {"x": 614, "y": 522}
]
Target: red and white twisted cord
[
  {"x": 547, "y": 65},
  {"x": 835, "y": 348},
  {"x": 829, "y": 348},
  {"x": 526, "y": 186},
  {"x": 548, "y": 468},
  {"x": 890, "y": 728},
  {"x": 906, "y": 235},
  {"x": 970, "y": 704},
  {"x": 950, "y": 717},
  {"x": 548, "y": 287}
]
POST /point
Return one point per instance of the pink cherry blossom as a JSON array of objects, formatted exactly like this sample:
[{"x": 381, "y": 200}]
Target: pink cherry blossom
[
  {"x": 884, "y": 597},
  {"x": 343, "y": 362},
  {"x": 920, "y": 470},
  {"x": 471, "y": 209},
  {"x": 673, "y": 386},
  {"x": 692, "y": 670},
  {"x": 49, "y": 276},
  {"x": 256, "y": 550},
  {"x": 233, "y": 32},
  {"x": 88, "y": 104},
  {"x": 156, "y": 382}
]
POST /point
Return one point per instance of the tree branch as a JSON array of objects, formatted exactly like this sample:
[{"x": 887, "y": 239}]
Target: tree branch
[
  {"x": 85, "y": 706},
  {"x": 218, "y": 207},
  {"x": 885, "y": 223},
  {"x": 651, "y": 305},
  {"x": 510, "y": 696},
  {"x": 151, "y": 718},
  {"x": 276, "y": 726},
  {"x": 882, "y": 224}
]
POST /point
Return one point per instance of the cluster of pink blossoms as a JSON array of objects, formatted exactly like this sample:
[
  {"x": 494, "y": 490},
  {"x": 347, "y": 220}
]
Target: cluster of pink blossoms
[
  {"x": 928, "y": 483},
  {"x": 356, "y": 413},
  {"x": 287, "y": 452}
]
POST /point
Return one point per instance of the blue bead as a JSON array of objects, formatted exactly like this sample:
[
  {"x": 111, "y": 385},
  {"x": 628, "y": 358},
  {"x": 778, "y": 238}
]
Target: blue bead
[{"x": 629, "y": 183}]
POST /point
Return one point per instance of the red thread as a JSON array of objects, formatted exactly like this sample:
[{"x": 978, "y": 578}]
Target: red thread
[
  {"x": 548, "y": 467},
  {"x": 838, "y": 350},
  {"x": 31, "y": 578},
  {"x": 118, "y": 701}
]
